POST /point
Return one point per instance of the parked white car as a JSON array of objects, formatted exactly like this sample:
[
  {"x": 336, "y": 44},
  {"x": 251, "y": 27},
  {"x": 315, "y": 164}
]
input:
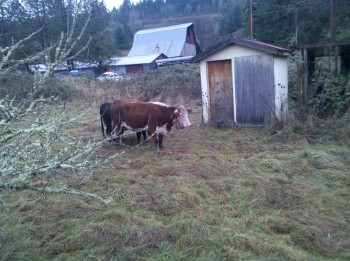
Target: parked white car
[{"x": 109, "y": 76}]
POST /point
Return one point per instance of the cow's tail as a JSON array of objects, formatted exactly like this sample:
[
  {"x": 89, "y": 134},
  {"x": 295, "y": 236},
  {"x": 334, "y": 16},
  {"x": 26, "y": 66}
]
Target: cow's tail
[
  {"x": 102, "y": 128},
  {"x": 101, "y": 118}
]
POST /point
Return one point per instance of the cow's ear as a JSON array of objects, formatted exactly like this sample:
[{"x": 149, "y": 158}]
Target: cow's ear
[{"x": 176, "y": 114}]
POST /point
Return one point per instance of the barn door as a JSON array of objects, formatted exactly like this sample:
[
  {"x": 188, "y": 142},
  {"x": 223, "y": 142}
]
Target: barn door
[
  {"x": 220, "y": 91},
  {"x": 254, "y": 89}
]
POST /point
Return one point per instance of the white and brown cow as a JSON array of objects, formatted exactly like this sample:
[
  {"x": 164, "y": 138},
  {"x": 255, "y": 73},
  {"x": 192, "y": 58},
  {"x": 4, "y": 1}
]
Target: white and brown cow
[{"x": 156, "y": 117}]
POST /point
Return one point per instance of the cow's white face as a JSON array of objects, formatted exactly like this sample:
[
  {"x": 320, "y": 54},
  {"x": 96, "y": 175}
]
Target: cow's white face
[{"x": 182, "y": 120}]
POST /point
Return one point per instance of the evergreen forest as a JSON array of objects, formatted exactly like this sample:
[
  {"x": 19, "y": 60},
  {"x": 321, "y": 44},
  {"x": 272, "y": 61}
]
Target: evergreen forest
[{"x": 110, "y": 32}]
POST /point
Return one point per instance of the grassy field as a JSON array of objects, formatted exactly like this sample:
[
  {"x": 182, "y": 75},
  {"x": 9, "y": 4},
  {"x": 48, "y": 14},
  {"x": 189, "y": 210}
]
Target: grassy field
[{"x": 212, "y": 194}]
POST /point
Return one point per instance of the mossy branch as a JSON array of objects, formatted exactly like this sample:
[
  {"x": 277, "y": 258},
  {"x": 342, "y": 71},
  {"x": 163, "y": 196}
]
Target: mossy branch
[{"x": 28, "y": 152}]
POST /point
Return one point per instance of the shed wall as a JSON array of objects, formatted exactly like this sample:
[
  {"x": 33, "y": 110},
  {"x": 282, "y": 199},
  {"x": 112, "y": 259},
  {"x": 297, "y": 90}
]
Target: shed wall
[
  {"x": 255, "y": 93},
  {"x": 134, "y": 68},
  {"x": 281, "y": 85},
  {"x": 188, "y": 50},
  {"x": 280, "y": 71},
  {"x": 190, "y": 37}
]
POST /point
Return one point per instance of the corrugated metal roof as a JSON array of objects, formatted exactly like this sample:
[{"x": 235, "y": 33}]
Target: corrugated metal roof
[
  {"x": 327, "y": 44},
  {"x": 324, "y": 49},
  {"x": 250, "y": 43},
  {"x": 169, "y": 40},
  {"x": 130, "y": 60},
  {"x": 262, "y": 46},
  {"x": 166, "y": 28}
]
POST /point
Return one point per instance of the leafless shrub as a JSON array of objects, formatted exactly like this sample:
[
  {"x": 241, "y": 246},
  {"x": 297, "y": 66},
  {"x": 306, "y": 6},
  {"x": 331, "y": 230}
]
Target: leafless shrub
[{"x": 40, "y": 146}]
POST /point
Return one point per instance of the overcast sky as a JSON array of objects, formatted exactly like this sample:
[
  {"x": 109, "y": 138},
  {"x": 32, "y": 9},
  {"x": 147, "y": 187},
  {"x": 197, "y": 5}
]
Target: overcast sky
[{"x": 116, "y": 3}]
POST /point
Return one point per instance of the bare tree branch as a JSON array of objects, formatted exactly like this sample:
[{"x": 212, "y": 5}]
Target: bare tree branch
[
  {"x": 31, "y": 149},
  {"x": 7, "y": 52}
]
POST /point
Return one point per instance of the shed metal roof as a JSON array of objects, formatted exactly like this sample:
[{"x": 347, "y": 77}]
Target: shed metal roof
[
  {"x": 250, "y": 43},
  {"x": 319, "y": 48},
  {"x": 130, "y": 60},
  {"x": 322, "y": 45},
  {"x": 169, "y": 40}
]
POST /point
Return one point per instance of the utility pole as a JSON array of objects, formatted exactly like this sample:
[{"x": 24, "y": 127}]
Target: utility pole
[
  {"x": 334, "y": 49},
  {"x": 250, "y": 18},
  {"x": 333, "y": 20},
  {"x": 296, "y": 26}
]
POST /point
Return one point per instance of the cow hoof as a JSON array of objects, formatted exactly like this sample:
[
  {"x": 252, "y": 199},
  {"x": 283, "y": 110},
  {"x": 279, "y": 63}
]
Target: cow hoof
[{"x": 159, "y": 148}]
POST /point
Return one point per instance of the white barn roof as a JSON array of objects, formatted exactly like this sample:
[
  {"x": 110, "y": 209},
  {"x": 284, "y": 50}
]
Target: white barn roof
[{"x": 168, "y": 40}]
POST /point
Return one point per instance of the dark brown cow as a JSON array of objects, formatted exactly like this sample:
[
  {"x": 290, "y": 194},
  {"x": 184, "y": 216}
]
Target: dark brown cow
[{"x": 156, "y": 117}]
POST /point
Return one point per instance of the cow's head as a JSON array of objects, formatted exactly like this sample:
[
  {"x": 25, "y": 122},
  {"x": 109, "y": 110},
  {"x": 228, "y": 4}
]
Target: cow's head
[{"x": 180, "y": 117}]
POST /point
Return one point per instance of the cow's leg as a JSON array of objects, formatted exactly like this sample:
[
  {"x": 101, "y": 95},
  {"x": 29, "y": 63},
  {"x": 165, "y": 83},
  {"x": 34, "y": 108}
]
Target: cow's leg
[
  {"x": 138, "y": 136},
  {"x": 109, "y": 129},
  {"x": 109, "y": 132},
  {"x": 152, "y": 132},
  {"x": 120, "y": 135},
  {"x": 156, "y": 142},
  {"x": 118, "y": 130},
  {"x": 160, "y": 141}
]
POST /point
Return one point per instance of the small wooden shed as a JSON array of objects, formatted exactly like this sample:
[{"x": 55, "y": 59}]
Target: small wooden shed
[{"x": 244, "y": 82}]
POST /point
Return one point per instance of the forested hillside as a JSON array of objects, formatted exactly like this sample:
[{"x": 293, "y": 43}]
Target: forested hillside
[
  {"x": 110, "y": 33},
  {"x": 274, "y": 21}
]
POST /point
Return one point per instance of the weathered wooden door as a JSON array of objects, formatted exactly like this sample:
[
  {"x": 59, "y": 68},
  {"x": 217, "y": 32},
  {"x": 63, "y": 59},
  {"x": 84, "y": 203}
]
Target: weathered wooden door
[
  {"x": 220, "y": 91},
  {"x": 254, "y": 89}
]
